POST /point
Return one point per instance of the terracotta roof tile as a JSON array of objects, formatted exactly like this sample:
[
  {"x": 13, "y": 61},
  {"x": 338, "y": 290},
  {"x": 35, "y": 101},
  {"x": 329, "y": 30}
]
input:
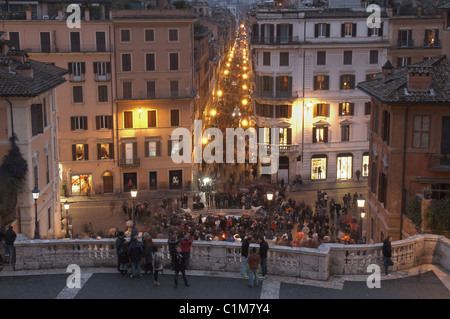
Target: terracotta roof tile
[{"x": 396, "y": 91}]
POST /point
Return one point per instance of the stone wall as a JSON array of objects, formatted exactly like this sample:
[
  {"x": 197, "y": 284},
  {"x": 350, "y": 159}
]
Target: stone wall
[{"x": 306, "y": 263}]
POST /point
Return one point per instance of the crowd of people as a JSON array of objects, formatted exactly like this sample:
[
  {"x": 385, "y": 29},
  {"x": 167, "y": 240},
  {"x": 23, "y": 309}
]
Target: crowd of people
[{"x": 284, "y": 221}]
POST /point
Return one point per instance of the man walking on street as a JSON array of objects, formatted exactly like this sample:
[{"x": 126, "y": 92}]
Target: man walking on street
[
  {"x": 387, "y": 254},
  {"x": 263, "y": 248},
  {"x": 253, "y": 262}
]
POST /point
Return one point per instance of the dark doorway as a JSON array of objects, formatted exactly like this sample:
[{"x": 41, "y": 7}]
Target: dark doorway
[
  {"x": 153, "y": 180},
  {"x": 108, "y": 183}
]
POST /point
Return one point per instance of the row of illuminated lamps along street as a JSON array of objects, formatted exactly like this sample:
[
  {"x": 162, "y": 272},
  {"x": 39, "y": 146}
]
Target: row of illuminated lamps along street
[
  {"x": 35, "y": 192},
  {"x": 269, "y": 196},
  {"x": 236, "y": 111}
]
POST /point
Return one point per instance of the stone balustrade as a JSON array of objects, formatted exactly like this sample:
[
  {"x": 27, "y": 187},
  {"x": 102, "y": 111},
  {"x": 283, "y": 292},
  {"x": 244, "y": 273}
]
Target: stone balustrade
[{"x": 306, "y": 263}]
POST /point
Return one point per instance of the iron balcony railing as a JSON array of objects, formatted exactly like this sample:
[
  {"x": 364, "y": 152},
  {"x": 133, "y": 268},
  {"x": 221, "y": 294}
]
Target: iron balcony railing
[
  {"x": 282, "y": 148},
  {"x": 130, "y": 162},
  {"x": 276, "y": 40},
  {"x": 439, "y": 162}
]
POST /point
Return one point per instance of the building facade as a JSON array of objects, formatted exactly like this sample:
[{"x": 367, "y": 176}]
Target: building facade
[
  {"x": 29, "y": 111},
  {"x": 86, "y": 134},
  {"x": 132, "y": 80},
  {"x": 409, "y": 141},
  {"x": 414, "y": 38},
  {"x": 156, "y": 92},
  {"x": 306, "y": 64}
]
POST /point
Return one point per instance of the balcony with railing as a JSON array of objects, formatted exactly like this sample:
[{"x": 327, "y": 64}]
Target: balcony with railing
[
  {"x": 275, "y": 95},
  {"x": 130, "y": 162},
  {"x": 439, "y": 162},
  {"x": 282, "y": 148},
  {"x": 65, "y": 48},
  {"x": 288, "y": 40},
  {"x": 159, "y": 94}
]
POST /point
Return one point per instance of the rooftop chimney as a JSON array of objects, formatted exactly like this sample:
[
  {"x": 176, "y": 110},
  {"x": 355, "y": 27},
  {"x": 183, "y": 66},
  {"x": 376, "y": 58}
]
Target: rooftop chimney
[
  {"x": 419, "y": 78},
  {"x": 388, "y": 71}
]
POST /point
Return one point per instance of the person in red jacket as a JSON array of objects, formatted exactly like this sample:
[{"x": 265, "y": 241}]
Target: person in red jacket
[{"x": 186, "y": 243}]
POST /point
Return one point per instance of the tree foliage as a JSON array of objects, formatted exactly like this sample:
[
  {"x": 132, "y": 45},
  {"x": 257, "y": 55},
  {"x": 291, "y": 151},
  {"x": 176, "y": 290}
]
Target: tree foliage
[
  {"x": 438, "y": 215},
  {"x": 13, "y": 172}
]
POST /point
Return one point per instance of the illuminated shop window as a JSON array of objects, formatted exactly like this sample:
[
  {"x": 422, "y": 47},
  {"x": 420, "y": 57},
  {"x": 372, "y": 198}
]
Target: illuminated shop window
[
  {"x": 319, "y": 167},
  {"x": 365, "y": 165},
  {"x": 81, "y": 184},
  {"x": 344, "y": 166}
]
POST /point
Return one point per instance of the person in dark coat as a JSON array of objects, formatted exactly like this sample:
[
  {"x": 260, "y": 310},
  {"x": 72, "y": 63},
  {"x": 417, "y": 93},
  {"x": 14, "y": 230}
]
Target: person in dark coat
[
  {"x": 135, "y": 252},
  {"x": 263, "y": 249},
  {"x": 387, "y": 254},
  {"x": 10, "y": 238},
  {"x": 122, "y": 255},
  {"x": 148, "y": 255},
  {"x": 244, "y": 255},
  {"x": 180, "y": 266},
  {"x": 119, "y": 239},
  {"x": 173, "y": 244}
]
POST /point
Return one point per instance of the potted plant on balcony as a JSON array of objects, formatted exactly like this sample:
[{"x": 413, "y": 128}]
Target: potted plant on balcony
[{"x": 426, "y": 192}]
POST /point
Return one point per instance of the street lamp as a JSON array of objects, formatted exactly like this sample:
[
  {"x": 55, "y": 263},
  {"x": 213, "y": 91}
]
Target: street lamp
[
  {"x": 269, "y": 196},
  {"x": 133, "y": 195},
  {"x": 35, "y": 193},
  {"x": 361, "y": 203},
  {"x": 66, "y": 207}
]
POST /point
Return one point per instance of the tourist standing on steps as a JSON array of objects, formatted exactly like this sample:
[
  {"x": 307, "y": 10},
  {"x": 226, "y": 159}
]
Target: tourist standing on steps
[
  {"x": 173, "y": 244},
  {"x": 263, "y": 249},
  {"x": 244, "y": 255},
  {"x": 180, "y": 266},
  {"x": 119, "y": 239},
  {"x": 157, "y": 264},
  {"x": 148, "y": 255},
  {"x": 186, "y": 243},
  {"x": 253, "y": 262},
  {"x": 387, "y": 254},
  {"x": 122, "y": 254},
  {"x": 10, "y": 238},
  {"x": 135, "y": 252}
]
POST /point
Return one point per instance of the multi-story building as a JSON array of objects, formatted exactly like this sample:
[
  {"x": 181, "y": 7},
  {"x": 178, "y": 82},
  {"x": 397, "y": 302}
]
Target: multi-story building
[
  {"x": 156, "y": 92},
  {"x": 86, "y": 135},
  {"x": 414, "y": 38},
  {"x": 306, "y": 64},
  {"x": 446, "y": 29},
  {"x": 409, "y": 141},
  {"x": 28, "y": 111},
  {"x": 131, "y": 81}
]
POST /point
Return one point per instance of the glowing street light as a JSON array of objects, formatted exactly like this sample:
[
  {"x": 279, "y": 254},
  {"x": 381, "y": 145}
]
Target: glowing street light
[
  {"x": 213, "y": 112},
  {"x": 133, "y": 193}
]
